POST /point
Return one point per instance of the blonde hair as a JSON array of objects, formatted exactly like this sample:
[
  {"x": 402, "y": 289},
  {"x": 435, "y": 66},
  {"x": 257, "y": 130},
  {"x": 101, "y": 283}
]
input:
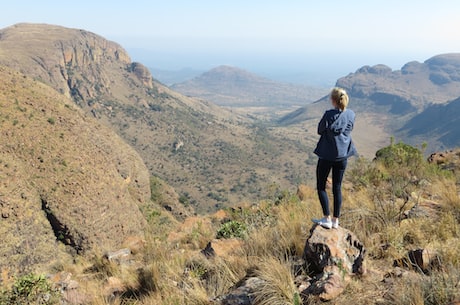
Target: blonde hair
[{"x": 340, "y": 97}]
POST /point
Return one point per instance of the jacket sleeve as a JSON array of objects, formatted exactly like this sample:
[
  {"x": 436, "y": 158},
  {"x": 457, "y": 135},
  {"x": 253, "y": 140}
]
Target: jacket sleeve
[{"x": 322, "y": 125}]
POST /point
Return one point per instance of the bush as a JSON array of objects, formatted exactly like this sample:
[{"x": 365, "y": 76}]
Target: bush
[
  {"x": 400, "y": 155},
  {"x": 156, "y": 189},
  {"x": 232, "y": 229},
  {"x": 30, "y": 289}
]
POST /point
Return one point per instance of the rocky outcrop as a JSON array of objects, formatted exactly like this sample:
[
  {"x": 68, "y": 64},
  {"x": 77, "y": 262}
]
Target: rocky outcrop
[
  {"x": 76, "y": 64},
  {"x": 142, "y": 73},
  {"x": 447, "y": 160},
  {"x": 444, "y": 69}
]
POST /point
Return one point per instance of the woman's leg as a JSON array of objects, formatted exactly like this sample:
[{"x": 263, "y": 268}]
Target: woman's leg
[
  {"x": 322, "y": 171},
  {"x": 338, "y": 171}
]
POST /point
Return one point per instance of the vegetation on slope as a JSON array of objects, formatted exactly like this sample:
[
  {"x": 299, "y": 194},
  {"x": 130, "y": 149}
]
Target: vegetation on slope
[
  {"x": 68, "y": 184},
  {"x": 381, "y": 200}
]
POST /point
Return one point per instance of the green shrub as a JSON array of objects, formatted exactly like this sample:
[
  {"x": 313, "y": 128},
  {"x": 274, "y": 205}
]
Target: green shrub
[
  {"x": 30, "y": 289},
  {"x": 232, "y": 229},
  {"x": 400, "y": 154},
  {"x": 156, "y": 189}
]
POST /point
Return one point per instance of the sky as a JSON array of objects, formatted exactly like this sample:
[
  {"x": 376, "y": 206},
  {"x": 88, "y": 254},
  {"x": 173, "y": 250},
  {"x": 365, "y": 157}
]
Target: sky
[{"x": 296, "y": 40}]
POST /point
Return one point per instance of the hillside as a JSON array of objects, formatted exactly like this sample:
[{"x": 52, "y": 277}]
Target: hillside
[
  {"x": 438, "y": 123},
  {"x": 69, "y": 184},
  {"x": 387, "y": 100},
  {"x": 211, "y": 156},
  {"x": 233, "y": 87}
]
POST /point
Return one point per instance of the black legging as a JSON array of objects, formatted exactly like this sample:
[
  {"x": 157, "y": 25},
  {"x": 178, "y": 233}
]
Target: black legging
[{"x": 322, "y": 172}]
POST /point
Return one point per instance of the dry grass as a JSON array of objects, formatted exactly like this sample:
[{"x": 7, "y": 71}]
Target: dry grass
[{"x": 279, "y": 287}]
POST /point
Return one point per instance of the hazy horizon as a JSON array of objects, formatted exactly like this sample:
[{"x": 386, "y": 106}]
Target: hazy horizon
[
  {"x": 309, "y": 69},
  {"x": 301, "y": 41}
]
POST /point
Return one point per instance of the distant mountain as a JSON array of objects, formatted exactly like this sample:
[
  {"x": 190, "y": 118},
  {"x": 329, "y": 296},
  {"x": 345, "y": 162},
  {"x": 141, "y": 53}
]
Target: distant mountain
[
  {"x": 234, "y": 87},
  {"x": 416, "y": 85},
  {"x": 391, "y": 98},
  {"x": 171, "y": 77},
  {"x": 211, "y": 156}
]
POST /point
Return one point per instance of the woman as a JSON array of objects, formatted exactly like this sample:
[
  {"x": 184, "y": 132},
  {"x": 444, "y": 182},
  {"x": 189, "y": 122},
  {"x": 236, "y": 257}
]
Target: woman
[{"x": 333, "y": 149}]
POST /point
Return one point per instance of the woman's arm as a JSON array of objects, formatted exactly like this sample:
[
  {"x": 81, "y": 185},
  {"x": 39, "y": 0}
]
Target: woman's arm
[{"x": 322, "y": 125}]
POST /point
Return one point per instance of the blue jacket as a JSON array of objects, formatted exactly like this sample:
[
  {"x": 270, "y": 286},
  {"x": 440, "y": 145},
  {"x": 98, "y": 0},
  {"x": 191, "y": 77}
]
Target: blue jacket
[{"x": 335, "y": 128}]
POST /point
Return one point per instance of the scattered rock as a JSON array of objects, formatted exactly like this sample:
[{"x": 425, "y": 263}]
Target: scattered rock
[
  {"x": 134, "y": 243},
  {"x": 120, "y": 257},
  {"x": 424, "y": 208},
  {"x": 69, "y": 289},
  {"x": 113, "y": 288},
  {"x": 242, "y": 293},
  {"x": 423, "y": 260},
  {"x": 220, "y": 216},
  {"x": 208, "y": 251},
  {"x": 448, "y": 160},
  {"x": 182, "y": 233},
  {"x": 222, "y": 247}
]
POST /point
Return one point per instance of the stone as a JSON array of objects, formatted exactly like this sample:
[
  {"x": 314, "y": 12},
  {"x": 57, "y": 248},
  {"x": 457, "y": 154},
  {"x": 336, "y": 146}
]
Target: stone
[
  {"x": 122, "y": 256},
  {"x": 242, "y": 293},
  {"x": 332, "y": 255},
  {"x": 134, "y": 243},
  {"x": 69, "y": 289},
  {"x": 339, "y": 247},
  {"x": 328, "y": 285},
  {"x": 113, "y": 287},
  {"x": 423, "y": 260},
  {"x": 424, "y": 208}
]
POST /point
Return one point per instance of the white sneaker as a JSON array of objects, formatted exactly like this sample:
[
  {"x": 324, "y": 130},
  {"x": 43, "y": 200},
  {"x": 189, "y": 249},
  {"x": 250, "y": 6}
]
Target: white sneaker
[
  {"x": 324, "y": 222},
  {"x": 335, "y": 223}
]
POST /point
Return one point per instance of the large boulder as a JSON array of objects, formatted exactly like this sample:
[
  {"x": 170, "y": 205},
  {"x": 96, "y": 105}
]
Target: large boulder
[{"x": 332, "y": 256}]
